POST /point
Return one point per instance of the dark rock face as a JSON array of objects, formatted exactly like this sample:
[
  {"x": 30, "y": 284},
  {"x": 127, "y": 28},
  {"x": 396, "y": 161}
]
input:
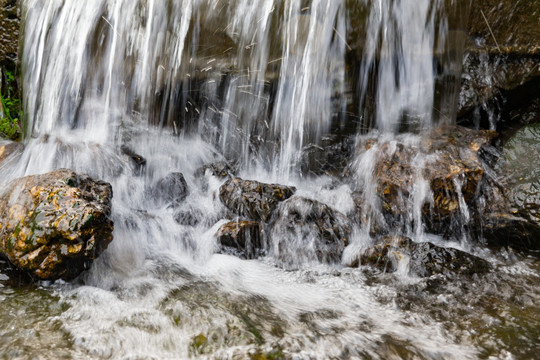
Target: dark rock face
[
  {"x": 244, "y": 236},
  {"x": 507, "y": 229},
  {"x": 137, "y": 160},
  {"x": 252, "y": 199},
  {"x": 514, "y": 24},
  {"x": 9, "y": 148},
  {"x": 307, "y": 230},
  {"x": 424, "y": 259},
  {"x": 502, "y": 68},
  {"x": 509, "y": 210},
  {"x": 172, "y": 189},
  {"x": 9, "y": 31},
  {"x": 54, "y": 225}
]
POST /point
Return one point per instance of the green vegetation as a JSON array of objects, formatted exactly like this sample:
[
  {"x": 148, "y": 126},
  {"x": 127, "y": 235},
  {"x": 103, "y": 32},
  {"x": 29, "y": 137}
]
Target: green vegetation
[{"x": 11, "y": 108}]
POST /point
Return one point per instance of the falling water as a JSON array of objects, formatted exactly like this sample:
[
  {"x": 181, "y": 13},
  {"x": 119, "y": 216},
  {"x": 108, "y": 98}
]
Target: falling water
[{"x": 184, "y": 83}]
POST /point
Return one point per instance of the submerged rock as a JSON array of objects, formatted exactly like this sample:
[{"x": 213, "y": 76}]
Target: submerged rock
[
  {"x": 220, "y": 169},
  {"x": 252, "y": 199},
  {"x": 54, "y": 225},
  {"x": 244, "y": 236},
  {"x": 9, "y": 148},
  {"x": 306, "y": 230},
  {"x": 137, "y": 160},
  {"x": 171, "y": 189},
  {"x": 421, "y": 259}
]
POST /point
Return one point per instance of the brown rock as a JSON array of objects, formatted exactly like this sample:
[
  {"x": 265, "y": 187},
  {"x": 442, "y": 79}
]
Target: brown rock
[
  {"x": 252, "y": 199},
  {"x": 452, "y": 168},
  {"x": 245, "y": 236},
  {"x": 54, "y": 225}
]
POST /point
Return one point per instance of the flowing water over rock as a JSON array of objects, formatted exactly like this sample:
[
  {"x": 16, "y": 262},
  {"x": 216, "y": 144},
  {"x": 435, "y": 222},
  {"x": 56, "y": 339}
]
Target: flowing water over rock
[{"x": 167, "y": 100}]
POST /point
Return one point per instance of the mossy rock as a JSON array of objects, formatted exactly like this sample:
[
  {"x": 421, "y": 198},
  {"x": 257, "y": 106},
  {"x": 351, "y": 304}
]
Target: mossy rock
[{"x": 54, "y": 225}]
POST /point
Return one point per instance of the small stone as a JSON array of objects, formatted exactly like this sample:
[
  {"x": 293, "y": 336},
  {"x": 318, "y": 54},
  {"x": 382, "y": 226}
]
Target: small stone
[{"x": 245, "y": 236}]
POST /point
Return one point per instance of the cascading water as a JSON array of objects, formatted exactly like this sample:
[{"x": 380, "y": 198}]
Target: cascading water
[{"x": 184, "y": 83}]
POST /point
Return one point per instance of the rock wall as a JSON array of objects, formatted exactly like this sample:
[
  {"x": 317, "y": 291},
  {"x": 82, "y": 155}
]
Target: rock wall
[
  {"x": 515, "y": 25},
  {"x": 501, "y": 72},
  {"x": 10, "y": 13}
]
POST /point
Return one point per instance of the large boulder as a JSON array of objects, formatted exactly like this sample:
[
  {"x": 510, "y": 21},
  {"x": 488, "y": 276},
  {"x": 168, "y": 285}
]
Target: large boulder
[
  {"x": 252, "y": 199},
  {"x": 446, "y": 160},
  {"x": 54, "y": 225},
  {"x": 420, "y": 259},
  {"x": 308, "y": 231}
]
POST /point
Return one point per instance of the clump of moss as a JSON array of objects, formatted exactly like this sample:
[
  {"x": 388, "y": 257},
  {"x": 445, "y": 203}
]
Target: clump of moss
[{"x": 10, "y": 107}]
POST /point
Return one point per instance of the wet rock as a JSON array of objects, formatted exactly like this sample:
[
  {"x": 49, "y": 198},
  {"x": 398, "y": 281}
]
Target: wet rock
[
  {"x": 514, "y": 25},
  {"x": 222, "y": 170},
  {"x": 306, "y": 230},
  {"x": 446, "y": 161},
  {"x": 520, "y": 164},
  {"x": 507, "y": 229},
  {"x": 244, "y": 236},
  {"x": 191, "y": 217},
  {"x": 54, "y": 225},
  {"x": 252, "y": 199},
  {"x": 9, "y": 148},
  {"x": 171, "y": 189},
  {"x": 509, "y": 209},
  {"x": 496, "y": 88},
  {"x": 330, "y": 158},
  {"x": 422, "y": 259},
  {"x": 428, "y": 259},
  {"x": 138, "y": 161},
  {"x": 502, "y": 65}
]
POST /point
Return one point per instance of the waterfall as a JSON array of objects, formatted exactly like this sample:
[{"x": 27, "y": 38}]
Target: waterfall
[
  {"x": 259, "y": 81},
  {"x": 179, "y": 84}
]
